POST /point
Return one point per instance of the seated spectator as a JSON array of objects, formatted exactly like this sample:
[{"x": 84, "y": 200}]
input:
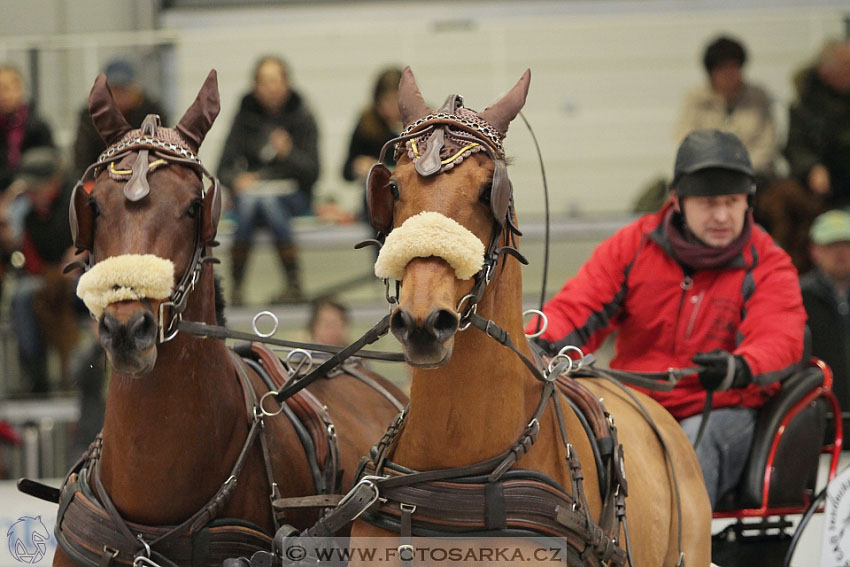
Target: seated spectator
[
  {"x": 826, "y": 296},
  {"x": 42, "y": 306},
  {"x": 726, "y": 101},
  {"x": 378, "y": 123},
  {"x": 133, "y": 103},
  {"x": 20, "y": 126},
  {"x": 270, "y": 162},
  {"x": 819, "y": 125},
  {"x": 697, "y": 283},
  {"x": 817, "y": 149}
]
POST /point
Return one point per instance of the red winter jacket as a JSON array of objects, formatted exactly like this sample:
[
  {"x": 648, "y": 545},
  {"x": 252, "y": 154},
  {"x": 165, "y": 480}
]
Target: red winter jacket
[{"x": 631, "y": 284}]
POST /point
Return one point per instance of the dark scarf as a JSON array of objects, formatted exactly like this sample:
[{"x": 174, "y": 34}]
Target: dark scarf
[
  {"x": 13, "y": 128},
  {"x": 688, "y": 250}
]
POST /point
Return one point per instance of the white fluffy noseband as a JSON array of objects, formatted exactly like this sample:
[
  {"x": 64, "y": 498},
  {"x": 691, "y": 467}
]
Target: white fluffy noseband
[
  {"x": 125, "y": 277},
  {"x": 430, "y": 234}
]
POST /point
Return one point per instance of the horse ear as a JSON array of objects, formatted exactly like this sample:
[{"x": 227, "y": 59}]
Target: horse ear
[
  {"x": 198, "y": 119},
  {"x": 81, "y": 217},
  {"x": 500, "y": 114},
  {"x": 107, "y": 119},
  {"x": 410, "y": 102}
]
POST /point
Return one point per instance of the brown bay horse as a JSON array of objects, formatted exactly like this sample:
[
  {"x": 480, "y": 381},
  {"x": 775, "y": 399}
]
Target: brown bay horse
[
  {"x": 183, "y": 444},
  {"x": 447, "y": 205}
]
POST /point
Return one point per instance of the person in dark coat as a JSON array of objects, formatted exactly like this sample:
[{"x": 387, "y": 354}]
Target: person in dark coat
[
  {"x": 819, "y": 126},
  {"x": 270, "y": 162},
  {"x": 42, "y": 305},
  {"x": 826, "y": 296},
  {"x": 21, "y": 128},
  {"x": 133, "y": 103},
  {"x": 378, "y": 123}
]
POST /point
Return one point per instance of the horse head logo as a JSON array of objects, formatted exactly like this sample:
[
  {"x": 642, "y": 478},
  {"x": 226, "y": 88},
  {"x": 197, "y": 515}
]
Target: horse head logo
[{"x": 27, "y": 539}]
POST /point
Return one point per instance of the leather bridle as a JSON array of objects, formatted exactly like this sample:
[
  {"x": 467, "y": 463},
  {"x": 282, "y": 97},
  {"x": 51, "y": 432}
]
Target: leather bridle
[{"x": 82, "y": 218}]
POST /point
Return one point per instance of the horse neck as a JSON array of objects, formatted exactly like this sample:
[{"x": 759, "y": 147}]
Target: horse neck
[
  {"x": 176, "y": 429},
  {"x": 477, "y": 405}
]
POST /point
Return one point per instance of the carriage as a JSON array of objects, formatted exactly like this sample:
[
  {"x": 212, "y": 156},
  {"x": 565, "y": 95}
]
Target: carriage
[{"x": 484, "y": 419}]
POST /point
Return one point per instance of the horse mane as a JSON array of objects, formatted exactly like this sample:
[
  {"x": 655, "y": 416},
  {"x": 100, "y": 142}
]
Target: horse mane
[{"x": 220, "y": 301}]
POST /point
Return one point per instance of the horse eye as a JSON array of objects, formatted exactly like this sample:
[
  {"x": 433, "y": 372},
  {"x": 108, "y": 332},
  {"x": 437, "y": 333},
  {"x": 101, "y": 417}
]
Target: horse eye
[
  {"x": 486, "y": 190},
  {"x": 394, "y": 189},
  {"x": 94, "y": 207},
  {"x": 194, "y": 209}
]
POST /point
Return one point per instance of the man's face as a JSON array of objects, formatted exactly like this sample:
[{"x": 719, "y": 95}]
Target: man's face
[
  {"x": 715, "y": 220},
  {"x": 11, "y": 91},
  {"x": 832, "y": 259}
]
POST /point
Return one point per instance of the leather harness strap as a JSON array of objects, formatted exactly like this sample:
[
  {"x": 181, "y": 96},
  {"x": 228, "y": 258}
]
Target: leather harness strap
[{"x": 88, "y": 516}]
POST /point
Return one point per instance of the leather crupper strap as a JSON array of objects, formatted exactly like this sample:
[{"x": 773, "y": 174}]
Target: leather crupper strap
[{"x": 92, "y": 532}]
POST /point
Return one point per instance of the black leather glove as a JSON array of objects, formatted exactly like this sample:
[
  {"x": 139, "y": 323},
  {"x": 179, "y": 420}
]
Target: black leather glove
[{"x": 722, "y": 370}]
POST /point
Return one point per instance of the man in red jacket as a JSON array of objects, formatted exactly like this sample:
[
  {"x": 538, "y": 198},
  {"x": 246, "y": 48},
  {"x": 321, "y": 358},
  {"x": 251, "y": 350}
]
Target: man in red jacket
[{"x": 696, "y": 283}]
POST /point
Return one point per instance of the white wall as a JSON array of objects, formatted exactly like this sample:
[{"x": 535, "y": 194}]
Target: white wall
[{"x": 606, "y": 77}]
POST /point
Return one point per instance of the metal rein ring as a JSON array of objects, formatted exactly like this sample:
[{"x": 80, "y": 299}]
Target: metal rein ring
[
  {"x": 306, "y": 360},
  {"x": 577, "y": 362},
  {"x": 263, "y": 409},
  {"x": 257, "y": 318},
  {"x": 545, "y": 322},
  {"x": 470, "y": 309},
  {"x": 554, "y": 363}
]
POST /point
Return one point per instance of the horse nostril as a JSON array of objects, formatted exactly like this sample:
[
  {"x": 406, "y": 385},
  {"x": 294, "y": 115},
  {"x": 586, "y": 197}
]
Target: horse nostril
[
  {"x": 142, "y": 329},
  {"x": 107, "y": 326},
  {"x": 442, "y": 324},
  {"x": 401, "y": 324}
]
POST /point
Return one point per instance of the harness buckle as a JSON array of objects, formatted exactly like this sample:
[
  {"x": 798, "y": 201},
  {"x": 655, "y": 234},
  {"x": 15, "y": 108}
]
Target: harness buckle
[
  {"x": 112, "y": 552},
  {"x": 406, "y": 552},
  {"x": 366, "y": 481},
  {"x": 470, "y": 308},
  {"x": 173, "y": 324}
]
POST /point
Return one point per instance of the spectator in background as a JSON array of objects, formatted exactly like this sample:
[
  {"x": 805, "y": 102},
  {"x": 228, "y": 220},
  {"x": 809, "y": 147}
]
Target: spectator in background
[
  {"x": 328, "y": 323},
  {"x": 270, "y": 162},
  {"x": 818, "y": 149},
  {"x": 726, "y": 101},
  {"x": 42, "y": 305},
  {"x": 133, "y": 103},
  {"x": 378, "y": 123},
  {"x": 20, "y": 126},
  {"x": 826, "y": 296}
]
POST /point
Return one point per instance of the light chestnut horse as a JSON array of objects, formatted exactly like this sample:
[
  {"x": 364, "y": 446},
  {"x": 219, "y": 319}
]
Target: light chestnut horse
[
  {"x": 176, "y": 417},
  {"x": 471, "y": 398}
]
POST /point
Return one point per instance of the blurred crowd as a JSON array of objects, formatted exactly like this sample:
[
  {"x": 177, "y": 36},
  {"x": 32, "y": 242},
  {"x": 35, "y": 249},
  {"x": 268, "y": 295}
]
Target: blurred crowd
[{"x": 270, "y": 162}]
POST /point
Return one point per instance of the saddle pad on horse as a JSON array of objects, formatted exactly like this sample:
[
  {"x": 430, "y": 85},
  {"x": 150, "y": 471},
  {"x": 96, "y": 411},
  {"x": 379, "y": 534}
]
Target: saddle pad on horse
[{"x": 321, "y": 446}]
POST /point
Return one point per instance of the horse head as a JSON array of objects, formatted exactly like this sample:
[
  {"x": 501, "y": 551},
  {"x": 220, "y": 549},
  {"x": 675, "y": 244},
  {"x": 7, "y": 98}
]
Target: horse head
[
  {"x": 135, "y": 211},
  {"x": 446, "y": 212}
]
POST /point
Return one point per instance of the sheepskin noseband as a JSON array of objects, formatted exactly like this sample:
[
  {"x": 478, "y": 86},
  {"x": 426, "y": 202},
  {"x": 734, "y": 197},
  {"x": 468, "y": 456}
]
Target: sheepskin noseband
[
  {"x": 430, "y": 234},
  {"x": 125, "y": 277}
]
